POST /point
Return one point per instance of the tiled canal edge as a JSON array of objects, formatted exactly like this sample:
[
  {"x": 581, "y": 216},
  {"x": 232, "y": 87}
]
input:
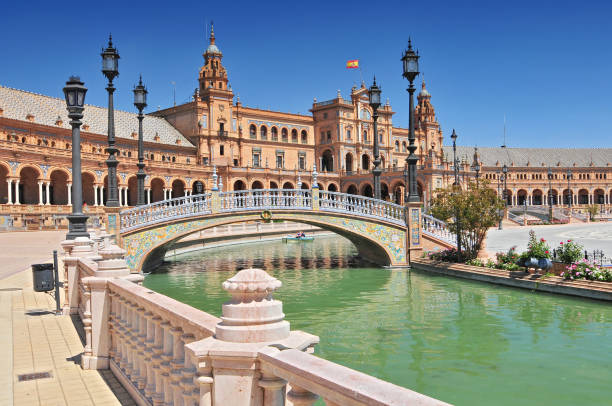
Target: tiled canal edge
[{"x": 554, "y": 284}]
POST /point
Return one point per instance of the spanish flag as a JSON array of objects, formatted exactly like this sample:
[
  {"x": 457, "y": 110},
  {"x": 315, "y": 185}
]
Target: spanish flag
[{"x": 352, "y": 64}]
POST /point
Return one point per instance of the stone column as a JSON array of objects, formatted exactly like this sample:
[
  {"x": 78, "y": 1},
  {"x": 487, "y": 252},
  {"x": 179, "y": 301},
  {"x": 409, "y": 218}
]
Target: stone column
[
  {"x": 48, "y": 202},
  {"x": 169, "y": 193},
  {"x": 17, "y": 191},
  {"x": 95, "y": 188},
  {"x": 102, "y": 196},
  {"x": 120, "y": 195},
  {"x": 149, "y": 196},
  {"x": 69, "y": 194},
  {"x": 40, "y": 193},
  {"x": 10, "y": 191}
]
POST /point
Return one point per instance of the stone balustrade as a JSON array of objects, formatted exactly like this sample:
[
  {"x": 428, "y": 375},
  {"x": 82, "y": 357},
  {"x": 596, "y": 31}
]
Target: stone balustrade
[{"x": 165, "y": 352}]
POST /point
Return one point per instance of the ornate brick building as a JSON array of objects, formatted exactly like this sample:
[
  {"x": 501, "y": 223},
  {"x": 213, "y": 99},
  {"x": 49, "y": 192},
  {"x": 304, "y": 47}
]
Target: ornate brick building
[{"x": 258, "y": 149}]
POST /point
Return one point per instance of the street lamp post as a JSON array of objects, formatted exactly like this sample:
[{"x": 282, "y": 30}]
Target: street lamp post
[
  {"x": 456, "y": 185},
  {"x": 411, "y": 70},
  {"x": 569, "y": 191},
  {"x": 505, "y": 171},
  {"x": 412, "y": 205},
  {"x": 110, "y": 69},
  {"x": 499, "y": 176},
  {"x": 550, "y": 196},
  {"x": 375, "y": 104},
  {"x": 74, "y": 93},
  {"x": 477, "y": 169},
  {"x": 140, "y": 101},
  {"x": 455, "y": 167}
]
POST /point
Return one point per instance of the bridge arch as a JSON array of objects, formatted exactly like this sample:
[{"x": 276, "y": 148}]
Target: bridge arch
[{"x": 377, "y": 242}]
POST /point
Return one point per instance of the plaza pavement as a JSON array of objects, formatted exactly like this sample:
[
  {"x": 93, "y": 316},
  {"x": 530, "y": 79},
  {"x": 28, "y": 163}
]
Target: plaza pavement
[
  {"x": 33, "y": 339},
  {"x": 593, "y": 236}
]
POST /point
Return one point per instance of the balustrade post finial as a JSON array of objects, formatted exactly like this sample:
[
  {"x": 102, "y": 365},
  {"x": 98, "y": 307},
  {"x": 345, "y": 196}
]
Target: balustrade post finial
[
  {"x": 252, "y": 315},
  {"x": 299, "y": 182},
  {"x": 214, "y": 177},
  {"x": 220, "y": 183},
  {"x": 314, "y": 176}
]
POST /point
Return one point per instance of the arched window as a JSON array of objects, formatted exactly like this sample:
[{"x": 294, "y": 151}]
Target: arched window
[
  {"x": 263, "y": 132},
  {"x": 365, "y": 136},
  {"x": 396, "y": 146},
  {"x": 285, "y": 134},
  {"x": 294, "y": 135},
  {"x": 253, "y": 131},
  {"x": 274, "y": 132},
  {"x": 403, "y": 146},
  {"x": 304, "y": 137},
  {"x": 364, "y": 115}
]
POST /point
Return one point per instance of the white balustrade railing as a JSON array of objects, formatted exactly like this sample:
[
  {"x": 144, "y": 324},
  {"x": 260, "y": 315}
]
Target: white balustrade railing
[
  {"x": 259, "y": 199},
  {"x": 361, "y": 206},
  {"x": 148, "y": 334},
  {"x": 437, "y": 228},
  {"x": 265, "y": 199},
  {"x": 159, "y": 212}
]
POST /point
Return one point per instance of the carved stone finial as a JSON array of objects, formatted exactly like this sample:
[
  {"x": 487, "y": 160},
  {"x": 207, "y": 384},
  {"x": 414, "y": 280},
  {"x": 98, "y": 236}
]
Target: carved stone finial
[
  {"x": 252, "y": 315},
  {"x": 314, "y": 175},
  {"x": 214, "y": 177}
]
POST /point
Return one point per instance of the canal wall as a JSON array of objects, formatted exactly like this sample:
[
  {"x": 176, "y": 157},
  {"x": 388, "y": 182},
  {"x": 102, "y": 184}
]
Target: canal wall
[{"x": 523, "y": 280}]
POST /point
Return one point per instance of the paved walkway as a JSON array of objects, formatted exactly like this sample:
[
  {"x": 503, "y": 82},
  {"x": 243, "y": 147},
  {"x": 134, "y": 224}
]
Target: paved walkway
[
  {"x": 34, "y": 340},
  {"x": 593, "y": 236}
]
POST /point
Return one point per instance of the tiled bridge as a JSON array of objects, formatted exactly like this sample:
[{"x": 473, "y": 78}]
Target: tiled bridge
[{"x": 377, "y": 228}]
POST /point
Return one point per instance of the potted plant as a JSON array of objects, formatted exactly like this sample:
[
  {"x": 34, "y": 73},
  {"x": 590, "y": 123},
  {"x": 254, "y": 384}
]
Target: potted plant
[{"x": 538, "y": 253}]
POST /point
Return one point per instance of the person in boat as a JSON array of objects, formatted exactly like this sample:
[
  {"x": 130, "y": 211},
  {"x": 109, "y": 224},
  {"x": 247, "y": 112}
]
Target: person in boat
[{"x": 300, "y": 234}]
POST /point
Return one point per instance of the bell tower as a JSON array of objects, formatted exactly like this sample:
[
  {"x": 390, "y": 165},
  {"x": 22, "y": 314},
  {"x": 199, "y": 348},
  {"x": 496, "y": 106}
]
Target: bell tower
[{"x": 213, "y": 75}]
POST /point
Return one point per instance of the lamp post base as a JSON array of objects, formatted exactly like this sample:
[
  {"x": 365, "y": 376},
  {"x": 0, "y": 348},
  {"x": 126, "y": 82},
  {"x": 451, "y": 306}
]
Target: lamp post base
[{"x": 77, "y": 226}]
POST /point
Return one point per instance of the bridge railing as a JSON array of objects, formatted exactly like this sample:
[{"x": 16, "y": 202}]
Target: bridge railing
[
  {"x": 159, "y": 212},
  {"x": 362, "y": 206},
  {"x": 265, "y": 199},
  {"x": 438, "y": 229}
]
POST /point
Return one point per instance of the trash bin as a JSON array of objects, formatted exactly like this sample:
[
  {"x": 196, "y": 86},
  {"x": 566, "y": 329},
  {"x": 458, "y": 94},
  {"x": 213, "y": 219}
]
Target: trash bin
[{"x": 43, "y": 277}]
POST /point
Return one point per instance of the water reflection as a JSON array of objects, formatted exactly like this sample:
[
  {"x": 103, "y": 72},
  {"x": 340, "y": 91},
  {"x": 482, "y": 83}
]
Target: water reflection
[{"x": 460, "y": 341}]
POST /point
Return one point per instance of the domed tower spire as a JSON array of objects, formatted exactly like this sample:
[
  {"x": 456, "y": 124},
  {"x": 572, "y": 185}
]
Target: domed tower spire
[{"x": 213, "y": 75}]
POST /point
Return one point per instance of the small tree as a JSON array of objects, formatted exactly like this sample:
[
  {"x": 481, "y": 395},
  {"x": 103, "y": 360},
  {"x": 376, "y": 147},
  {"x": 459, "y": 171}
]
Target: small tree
[
  {"x": 471, "y": 211},
  {"x": 592, "y": 209}
]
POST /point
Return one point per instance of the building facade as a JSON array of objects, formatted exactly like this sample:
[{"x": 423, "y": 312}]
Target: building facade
[{"x": 253, "y": 148}]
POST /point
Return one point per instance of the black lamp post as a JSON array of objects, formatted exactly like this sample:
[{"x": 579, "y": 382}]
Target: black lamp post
[
  {"x": 410, "y": 62},
  {"x": 75, "y": 101},
  {"x": 569, "y": 191},
  {"x": 477, "y": 169},
  {"x": 110, "y": 69},
  {"x": 499, "y": 177},
  {"x": 455, "y": 167},
  {"x": 550, "y": 196},
  {"x": 375, "y": 104},
  {"x": 406, "y": 187},
  {"x": 505, "y": 171},
  {"x": 140, "y": 101}
]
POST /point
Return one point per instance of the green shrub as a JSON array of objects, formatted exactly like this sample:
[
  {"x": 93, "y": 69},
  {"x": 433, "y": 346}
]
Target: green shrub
[{"x": 569, "y": 252}]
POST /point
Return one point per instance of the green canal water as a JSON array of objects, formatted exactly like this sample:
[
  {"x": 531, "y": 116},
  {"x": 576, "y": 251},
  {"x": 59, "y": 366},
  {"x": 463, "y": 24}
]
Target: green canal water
[{"x": 463, "y": 342}]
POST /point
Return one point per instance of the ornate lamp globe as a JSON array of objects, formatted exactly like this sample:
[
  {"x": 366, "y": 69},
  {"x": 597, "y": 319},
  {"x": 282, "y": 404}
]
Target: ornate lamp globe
[
  {"x": 477, "y": 167},
  {"x": 140, "y": 95},
  {"x": 505, "y": 169},
  {"x": 110, "y": 61},
  {"x": 550, "y": 174},
  {"x": 74, "y": 93},
  {"x": 569, "y": 174},
  {"x": 454, "y": 135},
  {"x": 410, "y": 62},
  {"x": 375, "y": 95}
]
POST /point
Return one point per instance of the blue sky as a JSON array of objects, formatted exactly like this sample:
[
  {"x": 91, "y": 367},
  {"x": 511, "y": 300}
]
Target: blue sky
[{"x": 545, "y": 65}]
